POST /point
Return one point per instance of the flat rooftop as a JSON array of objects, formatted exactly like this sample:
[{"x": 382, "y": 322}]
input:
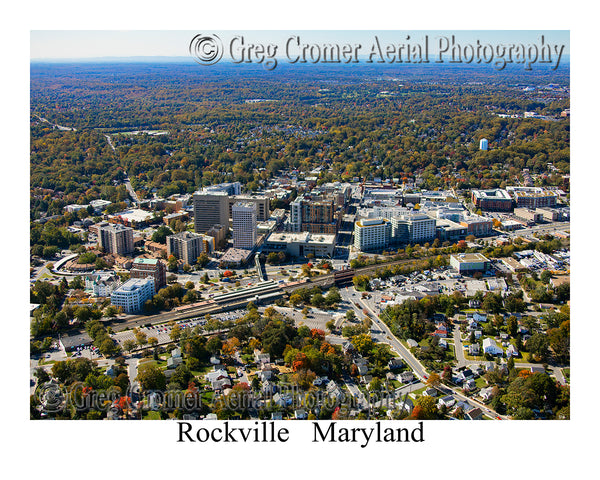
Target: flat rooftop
[
  {"x": 495, "y": 194},
  {"x": 301, "y": 237},
  {"x": 145, "y": 261},
  {"x": 470, "y": 257},
  {"x": 134, "y": 215}
]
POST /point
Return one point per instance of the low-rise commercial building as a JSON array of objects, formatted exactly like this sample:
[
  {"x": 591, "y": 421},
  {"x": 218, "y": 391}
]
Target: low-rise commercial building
[
  {"x": 533, "y": 197},
  {"x": 528, "y": 214},
  {"x": 497, "y": 200},
  {"x": 300, "y": 244},
  {"x": 132, "y": 295},
  {"x": 150, "y": 267},
  {"x": 467, "y": 263},
  {"x": 549, "y": 214},
  {"x": 477, "y": 225},
  {"x": 101, "y": 284}
]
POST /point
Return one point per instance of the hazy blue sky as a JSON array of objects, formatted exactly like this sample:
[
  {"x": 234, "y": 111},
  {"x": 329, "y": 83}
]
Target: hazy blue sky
[{"x": 72, "y": 44}]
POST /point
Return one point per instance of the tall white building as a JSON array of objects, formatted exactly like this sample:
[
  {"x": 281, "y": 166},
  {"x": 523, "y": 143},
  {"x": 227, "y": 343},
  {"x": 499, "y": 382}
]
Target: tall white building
[
  {"x": 413, "y": 228},
  {"x": 421, "y": 228},
  {"x": 372, "y": 234},
  {"x": 132, "y": 295},
  {"x": 296, "y": 215},
  {"x": 483, "y": 144},
  {"x": 244, "y": 225}
]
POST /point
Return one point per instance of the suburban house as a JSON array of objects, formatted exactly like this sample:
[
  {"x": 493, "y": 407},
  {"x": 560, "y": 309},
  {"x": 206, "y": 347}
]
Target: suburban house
[
  {"x": 261, "y": 358},
  {"x": 300, "y": 414},
  {"x": 465, "y": 375},
  {"x": 474, "y": 349},
  {"x": 474, "y": 414},
  {"x": 218, "y": 378},
  {"x": 441, "y": 330},
  {"x": 268, "y": 388},
  {"x": 266, "y": 373},
  {"x": 406, "y": 377},
  {"x": 489, "y": 346},
  {"x": 361, "y": 364},
  {"x": 446, "y": 401},
  {"x": 486, "y": 393},
  {"x": 334, "y": 390},
  {"x": 430, "y": 392},
  {"x": 512, "y": 351},
  {"x": 174, "y": 362},
  {"x": 469, "y": 385},
  {"x": 395, "y": 362}
]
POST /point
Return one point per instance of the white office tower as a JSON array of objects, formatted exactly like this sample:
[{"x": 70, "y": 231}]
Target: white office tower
[
  {"x": 483, "y": 144},
  {"x": 132, "y": 295},
  {"x": 244, "y": 225}
]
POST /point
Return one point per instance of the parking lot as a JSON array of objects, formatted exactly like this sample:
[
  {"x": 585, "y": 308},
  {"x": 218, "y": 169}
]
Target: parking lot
[{"x": 314, "y": 319}]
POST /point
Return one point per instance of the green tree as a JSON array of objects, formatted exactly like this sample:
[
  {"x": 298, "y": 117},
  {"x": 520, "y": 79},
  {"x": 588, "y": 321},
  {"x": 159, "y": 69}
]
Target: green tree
[
  {"x": 363, "y": 343},
  {"x": 151, "y": 377},
  {"x": 129, "y": 345},
  {"x": 202, "y": 261},
  {"x": 161, "y": 233},
  {"x": 214, "y": 344}
]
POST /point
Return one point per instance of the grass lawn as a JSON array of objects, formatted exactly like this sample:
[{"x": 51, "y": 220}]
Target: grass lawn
[
  {"x": 151, "y": 361},
  {"x": 395, "y": 384},
  {"x": 480, "y": 382},
  {"x": 207, "y": 397},
  {"x": 417, "y": 393},
  {"x": 151, "y": 415},
  {"x": 475, "y": 358}
]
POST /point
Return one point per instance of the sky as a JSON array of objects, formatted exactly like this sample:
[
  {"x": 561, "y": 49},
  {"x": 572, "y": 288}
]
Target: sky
[{"x": 84, "y": 44}]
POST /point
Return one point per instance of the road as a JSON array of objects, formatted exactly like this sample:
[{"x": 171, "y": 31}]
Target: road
[
  {"x": 461, "y": 361},
  {"x": 455, "y": 392},
  {"x": 556, "y": 371},
  {"x": 388, "y": 337},
  {"x": 127, "y": 183},
  {"x": 361, "y": 401},
  {"x": 60, "y": 127}
]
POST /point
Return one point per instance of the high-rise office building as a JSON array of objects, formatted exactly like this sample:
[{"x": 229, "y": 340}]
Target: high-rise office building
[
  {"x": 244, "y": 225},
  {"x": 210, "y": 209},
  {"x": 188, "y": 246},
  {"x": 261, "y": 201},
  {"x": 116, "y": 239}
]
